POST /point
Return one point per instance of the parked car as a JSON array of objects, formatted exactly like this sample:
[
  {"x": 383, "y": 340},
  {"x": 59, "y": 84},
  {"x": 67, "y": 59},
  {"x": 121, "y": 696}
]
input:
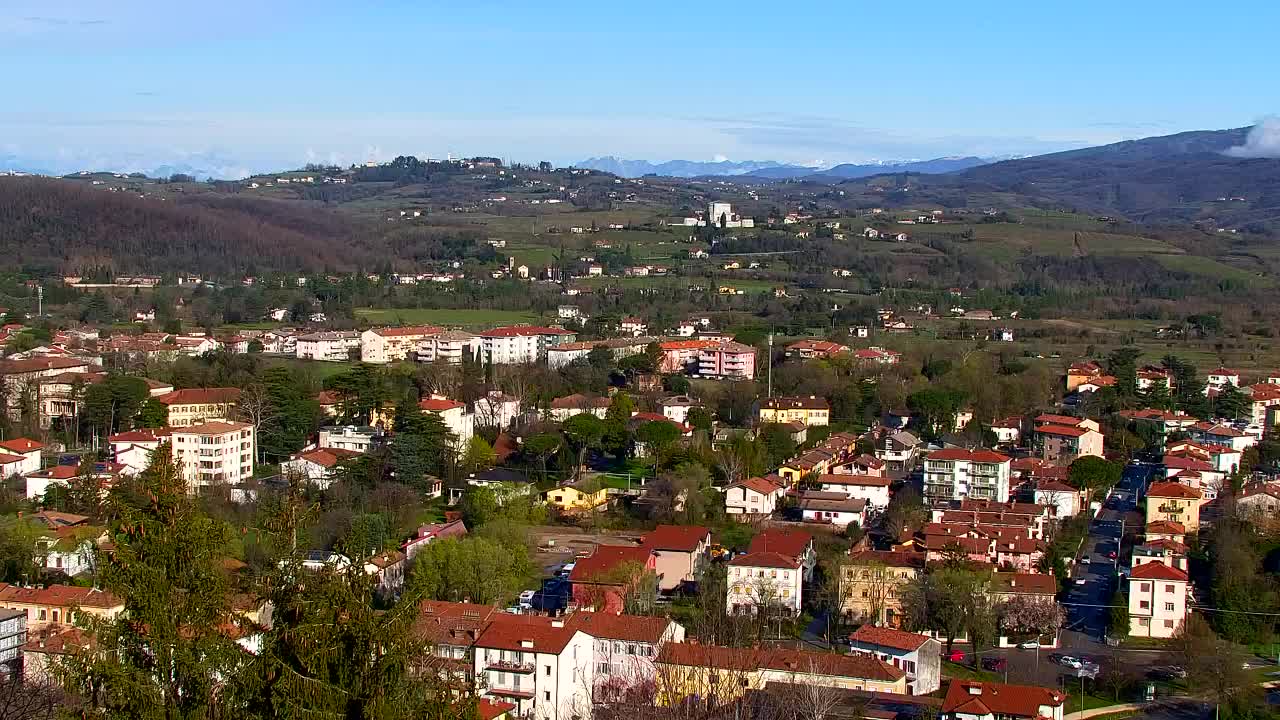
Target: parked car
[
  {"x": 956, "y": 656},
  {"x": 995, "y": 664},
  {"x": 1112, "y": 555},
  {"x": 1029, "y": 645},
  {"x": 565, "y": 570},
  {"x": 1071, "y": 662},
  {"x": 1085, "y": 560},
  {"x": 527, "y": 596}
]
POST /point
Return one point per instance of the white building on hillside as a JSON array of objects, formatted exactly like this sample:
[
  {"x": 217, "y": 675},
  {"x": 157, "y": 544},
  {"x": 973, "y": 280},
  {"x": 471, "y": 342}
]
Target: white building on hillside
[
  {"x": 392, "y": 344},
  {"x": 335, "y": 346}
]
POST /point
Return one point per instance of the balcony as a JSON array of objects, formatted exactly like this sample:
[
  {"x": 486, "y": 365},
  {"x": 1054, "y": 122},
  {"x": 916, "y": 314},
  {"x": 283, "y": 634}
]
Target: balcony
[{"x": 509, "y": 666}]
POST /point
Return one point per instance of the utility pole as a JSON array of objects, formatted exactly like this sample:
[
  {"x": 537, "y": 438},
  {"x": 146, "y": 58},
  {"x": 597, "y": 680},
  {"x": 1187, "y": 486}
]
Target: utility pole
[
  {"x": 39, "y": 301},
  {"x": 770, "y": 359}
]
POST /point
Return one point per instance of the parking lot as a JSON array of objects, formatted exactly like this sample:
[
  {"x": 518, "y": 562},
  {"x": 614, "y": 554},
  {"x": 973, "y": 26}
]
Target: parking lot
[{"x": 557, "y": 545}]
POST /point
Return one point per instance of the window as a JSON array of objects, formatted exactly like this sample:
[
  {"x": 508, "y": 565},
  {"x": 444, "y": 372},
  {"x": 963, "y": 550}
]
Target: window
[
  {"x": 1168, "y": 623},
  {"x": 1168, "y": 588},
  {"x": 546, "y": 695},
  {"x": 1143, "y": 604},
  {"x": 1144, "y": 622},
  {"x": 55, "y": 616},
  {"x": 1168, "y": 607},
  {"x": 1144, "y": 587},
  {"x": 44, "y": 614},
  {"x": 548, "y": 670}
]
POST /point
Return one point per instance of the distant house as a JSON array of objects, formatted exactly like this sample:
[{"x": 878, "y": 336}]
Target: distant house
[
  {"x": 428, "y": 534},
  {"x": 563, "y": 408},
  {"x": 679, "y": 553},
  {"x": 753, "y": 497},
  {"x": 919, "y": 656},
  {"x": 317, "y": 466},
  {"x": 976, "y": 700},
  {"x": 573, "y": 498}
]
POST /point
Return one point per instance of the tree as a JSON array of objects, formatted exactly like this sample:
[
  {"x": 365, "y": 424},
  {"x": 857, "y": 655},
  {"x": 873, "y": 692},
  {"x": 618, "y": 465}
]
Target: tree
[
  {"x": 1231, "y": 403},
  {"x": 113, "y": 402},
  {"x": 542, "y": 447},
  {"x": 1025, "y": 615},
  {"x": 478, "y": 506},
  {"x": 936, "y": 409},
  {"x": 479, "y": 455},
  {"x": 584, "y": 431},
  {"x": 17, "y": 556},
  {"x": 173, "y": 648},
  {"x": 1091, "y": 473},
  {"x": 699, "y": 418},
  {"x": 473, "y": 569},
  {"x": 153, "y": 414},
  {"x": 777, "y": 443}
]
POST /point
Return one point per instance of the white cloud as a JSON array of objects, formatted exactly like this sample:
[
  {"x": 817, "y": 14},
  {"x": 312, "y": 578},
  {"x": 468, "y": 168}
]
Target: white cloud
[{"x": 1263, "y": 140}]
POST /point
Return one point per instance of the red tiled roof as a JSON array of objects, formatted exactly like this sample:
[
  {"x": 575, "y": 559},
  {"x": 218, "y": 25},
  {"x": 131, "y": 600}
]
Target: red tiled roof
[
  {"x": 889, "y": 637},
  {"x": 791, "y": 543},
  {"x": 679, "y": 538},
  {"x": 1173, "y": 490},
  {"x": 513, "y": 632},
  {"x": 1180, "y": 462},
  {"x": 713, "y": 656},
  {"x": 328, "y": 397},
  {"x": 200, "y": 396},
  {"x": 492, "y": 709},
  {"x": 1051, "y": 419},
  {"x": 139, "y": 436},
  {"x": 607, "y": 558},
  {"x": 1165, "y": 527},
  {"x": 6, "y": 459},
  {"x": 1024, "y": 583},
  {"x": 1061, "y": 430},
  {"x": 450, "y": 623},
  {"x": 21, "y": 445},
  {"x": 328, "y": 457},
  {"x": 758, "y": 484},
  {"x": 960, "y": 454},
  {"x": 971, "y": 697},
  {"x": 1156, "y": 571},
  {"x": 579, "y": 401},
  {"x": 888, "y": 558},
  {"x": 765, "y": 560},
  {"x": 832, "y": 664},
  {"x": 628, "y": 628},
  {"x": 211, "y": 427},
  {"x": 409, "y": 330},
  {"x": 1217, "y": 430},
  {"x": 58, "y": 596},
  {"x": 39, "y": 364},
  {"x": 57, "y": 472},
  {"x": 523, "y": 330},
  {"x": 686, "y": 344},
  {"x": 438, "y": 404},
  {"x": 822, "y": 346}
]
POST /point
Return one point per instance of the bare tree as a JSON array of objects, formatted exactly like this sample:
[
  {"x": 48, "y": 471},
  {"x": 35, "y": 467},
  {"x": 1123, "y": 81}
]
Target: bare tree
[{"x": 35, "y": 698}]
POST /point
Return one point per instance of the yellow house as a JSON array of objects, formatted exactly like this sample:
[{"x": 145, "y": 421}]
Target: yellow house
[
  {"x": 810, "y": 410},
  {"x": 571, "y": 498},
  {"x": 191, "y": 406},
  {"x": 1174, "y": 502},
  {"x": 718, "y": 675}
]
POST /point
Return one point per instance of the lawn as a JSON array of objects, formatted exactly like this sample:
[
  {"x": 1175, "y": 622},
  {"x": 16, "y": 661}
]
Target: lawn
[
  {"x": 465, "y": 317},
  {"x": 956, "y": 671}
]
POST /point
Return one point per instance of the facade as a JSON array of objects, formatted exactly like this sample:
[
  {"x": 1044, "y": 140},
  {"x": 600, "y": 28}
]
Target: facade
[
  {"x": 919, "y": 656},
  {"x": 21, "y": 456},
  {"x": 1157, "y": 600},
  {"x": 132, "y": 449},
  {"x": 563, "y": 408},
  {"x": 539, "y": 664},
  {"x": 679, "y": 553},
  {"x": 520, "y": 343},
  {"x": 349, "y": 437},
  {"x": 680, "y": 356},
  {"x": 833, "y": 508},
  {"x": 677, "y": 407},
  {"x": 454, "y": 415},
  {"x": 956, "y": 474},
  {"x": 730, "y": 360},
  {"x": 317, "y": 466},
  {"x": 56, "y": 606},
  {"x": 450, "y": 347},
  {"x": 428, "y": 534},
  {"x": 214, "y": 453},
  {"x": 810, "y": 410},
  {"x": 601, "y": 580},
  {"x": 20, "y": 379},
  {"x": 333, "y": 346},
  {"x": 872, "y": 581},
  {"x": 497, "y": 410},
  {"x": 572, "y": 499},
  {"x": 626, "y": 646},
  {"x": 872, "y": 488},
  {"x": 1174, "y": 502},
  {"x": 753, "y": 497},
  {"x": 194, "y": 405},
  {"x": 898, "y": 449},
  {"x": 763, "y": 580},
  {"x": 566, "y": 353},
  {"x": 1063, "y": 444},
  {"x": 392, "y": 344},
  {"x": 13, "y": 635},
  {"x": 62, "y": 395}
]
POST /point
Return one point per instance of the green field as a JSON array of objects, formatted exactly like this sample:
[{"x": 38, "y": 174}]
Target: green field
[{"x": 467, "y": 317}]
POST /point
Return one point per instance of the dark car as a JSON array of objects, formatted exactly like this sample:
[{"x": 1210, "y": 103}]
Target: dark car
[{"x": 996, "y": 664}]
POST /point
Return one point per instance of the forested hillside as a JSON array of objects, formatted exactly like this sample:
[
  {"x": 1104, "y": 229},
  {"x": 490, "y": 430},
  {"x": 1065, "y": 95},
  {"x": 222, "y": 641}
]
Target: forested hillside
[{"x": 65, "y": 227}]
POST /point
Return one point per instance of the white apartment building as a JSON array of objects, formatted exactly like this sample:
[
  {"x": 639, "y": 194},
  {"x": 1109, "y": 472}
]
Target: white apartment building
[
  {"x": 626, "y": 645},
  {"x": 753, "y": 497},
  {"x": 133, "y": 448},
  {"x": 334, "y": 346},
  {"x": 348, "y": 437},
  {"x": 449, "y": 347},
  {"x": 764, "y": 579},
  {"x": 21, "y": 456},
  {"x": 957, "y": 474},
  {"x": 538, "y": 663},
  {"x": 216, "y": 452},
  {"x": 565, "y": 353},
  {"x": 498, "y": 410},
  {"x": 455, "y": 416},
  {"x": 872, "y": 488},
  {"x": 520, "y": 343},
  {"x": 392, "y": 344},
  {"x": 1157, "y": 600}
]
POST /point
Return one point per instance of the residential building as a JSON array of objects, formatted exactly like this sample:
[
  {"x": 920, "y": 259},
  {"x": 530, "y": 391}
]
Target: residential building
[
  {"x": 730, "y": 360},
  {"x": 61, "y": 396},
  {"x": 392, "y": 344},
  {"x": 872, "y": 583},
  {"x": 1082, "y": 372},
  {"x": 833, "y": 508},
  {"x": 898, "y": 449},
  {"x": 1219, "y": 378},
  {"x": 354, "y": 438},
  {"x": 1058, "y": 442},
  {"x": 753, "y": 497},
  {"x": 539, "y": 664},
  {"x": 1157, "y": 600},
  {"x": 679, "y": 553},
  {"x": 569, "y": 498},
  {"x": 764, "y": 580},
  {"x": 194, "y": 405},
  {"x": 455, "y": 416},
  {"x": 809, "y": 349},
  {"x": 13, "y": 635},
  {"x": 626, "y": 646},
  {"x": 565, "y": 353},
  {"x": 872, "y": 488},
  {"x": 877, "y": 356},
  {"x": 428, "y": 534},
  {"x": 450, "y": 347},
  {"x": 563, "y": 408},
  {"x": 521, "y": 343},
  {"x": 132, "y": 449},
  {"x": 1174, "y": 502},
  {"x": 677, "y": 407},
  {"x": 214, "y": 453},
  {"x": 57, "y": 606},
  {"x": 20, "y": 379},
  {"x": 20, "y": 456},
  {"x": 497, "y": 409},
  {"x": 331, "y": 346},
  {"x": 388, "y": 570},
  {"x": 680, "y": 356},
  {"x": 1007, "y": 430},
  {"x": 317, "y": 466},
  {"x": 977, "y": 700},
  {"x": 956, "y": 474},
  {"x": 810, "y": 410},
  {"x": 919, "y": 656},
  {"x": 602, "y": 580},
  {"x": 1218, "y": 434},
  {"x": 1066, "y": 501},
  {"x": 39, "y": 481},
  {"x": 1164, "y": 422}
]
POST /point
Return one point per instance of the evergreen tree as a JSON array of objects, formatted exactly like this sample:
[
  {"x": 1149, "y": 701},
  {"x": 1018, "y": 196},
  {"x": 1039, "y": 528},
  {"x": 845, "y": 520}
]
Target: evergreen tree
[{"x": 172, "y": 648}]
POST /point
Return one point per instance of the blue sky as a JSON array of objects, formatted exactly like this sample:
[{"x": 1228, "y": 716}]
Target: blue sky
[{"x": 241, "y": 86}]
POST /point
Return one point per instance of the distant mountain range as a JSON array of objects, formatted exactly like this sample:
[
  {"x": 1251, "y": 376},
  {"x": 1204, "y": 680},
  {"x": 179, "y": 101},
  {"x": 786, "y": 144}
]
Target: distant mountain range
[
  {"x": 771, "y": 170},
  {"x": 203, "y": 165}
]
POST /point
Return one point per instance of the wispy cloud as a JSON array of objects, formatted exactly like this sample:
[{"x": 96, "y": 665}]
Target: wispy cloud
[{"x": 62, "y": 22}]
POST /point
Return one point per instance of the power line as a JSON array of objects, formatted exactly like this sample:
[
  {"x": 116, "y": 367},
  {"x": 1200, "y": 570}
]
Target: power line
[{"x": 1200, "y": 608}]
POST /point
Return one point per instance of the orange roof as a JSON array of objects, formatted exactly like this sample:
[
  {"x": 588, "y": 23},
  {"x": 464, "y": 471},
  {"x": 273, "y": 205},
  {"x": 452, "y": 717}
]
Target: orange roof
[
  {"x": 492, "y": 709},
  {"x": 439, "y": 404},
  {"x": 526, "y": 633},
  {"x": 578, "y": 401},
  {"x": 790, "y": 543},
  {"x": 678, "y": 538},
  {"x": 39, "y": 364},
  {"x": 409, "y": 330},
  {"x": 888, "y": 558},
  {"x": 21, "y": 445},
  {"x": 1062, "y": 430},
  {"x": 139, "y": 436},
  {"x": 686, "y": 344},
  {"x": 211, "y": 427},
  {"x": 757, "y": 484},
  {"x": 988, "y": 698},
  {"x": 1024, "y": 583},
  {"x": 59, "y": 596},
  {"x": 1050, "y": 419},
  {"x": 765, "y": 560},
  {"x": 607, "y": 558},
  {"x": 889, "y": 637},
  {"x": 1173, "y": 490},
  {"x": 1166, "y": 527},
  {"x": 200, "y": 396},
  {"x": 327, "y": 457},
  {"x": 628, "y": 628},
  {"x": 523, "y": 330},
  {"x": 1156, "y": 571}
]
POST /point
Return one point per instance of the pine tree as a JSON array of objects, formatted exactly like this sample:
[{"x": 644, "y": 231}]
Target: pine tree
[{"x": 173, "y": 644}]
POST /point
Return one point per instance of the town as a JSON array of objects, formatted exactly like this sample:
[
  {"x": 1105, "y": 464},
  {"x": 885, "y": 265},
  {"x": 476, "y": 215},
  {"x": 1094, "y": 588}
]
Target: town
[{"x": 619, "y": 513}]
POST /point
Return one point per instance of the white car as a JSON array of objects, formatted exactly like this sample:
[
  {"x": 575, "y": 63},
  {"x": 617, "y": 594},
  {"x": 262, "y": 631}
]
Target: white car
[
  {"x": 526, "y": 597},
  {"x": 1073, "y": 663},
  {"x": 1082, "y": 581},
  {"x": 1028, "y": 645},
  {"x": 566, "y": 570},
  {"x": 1085, "y": 560}
]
